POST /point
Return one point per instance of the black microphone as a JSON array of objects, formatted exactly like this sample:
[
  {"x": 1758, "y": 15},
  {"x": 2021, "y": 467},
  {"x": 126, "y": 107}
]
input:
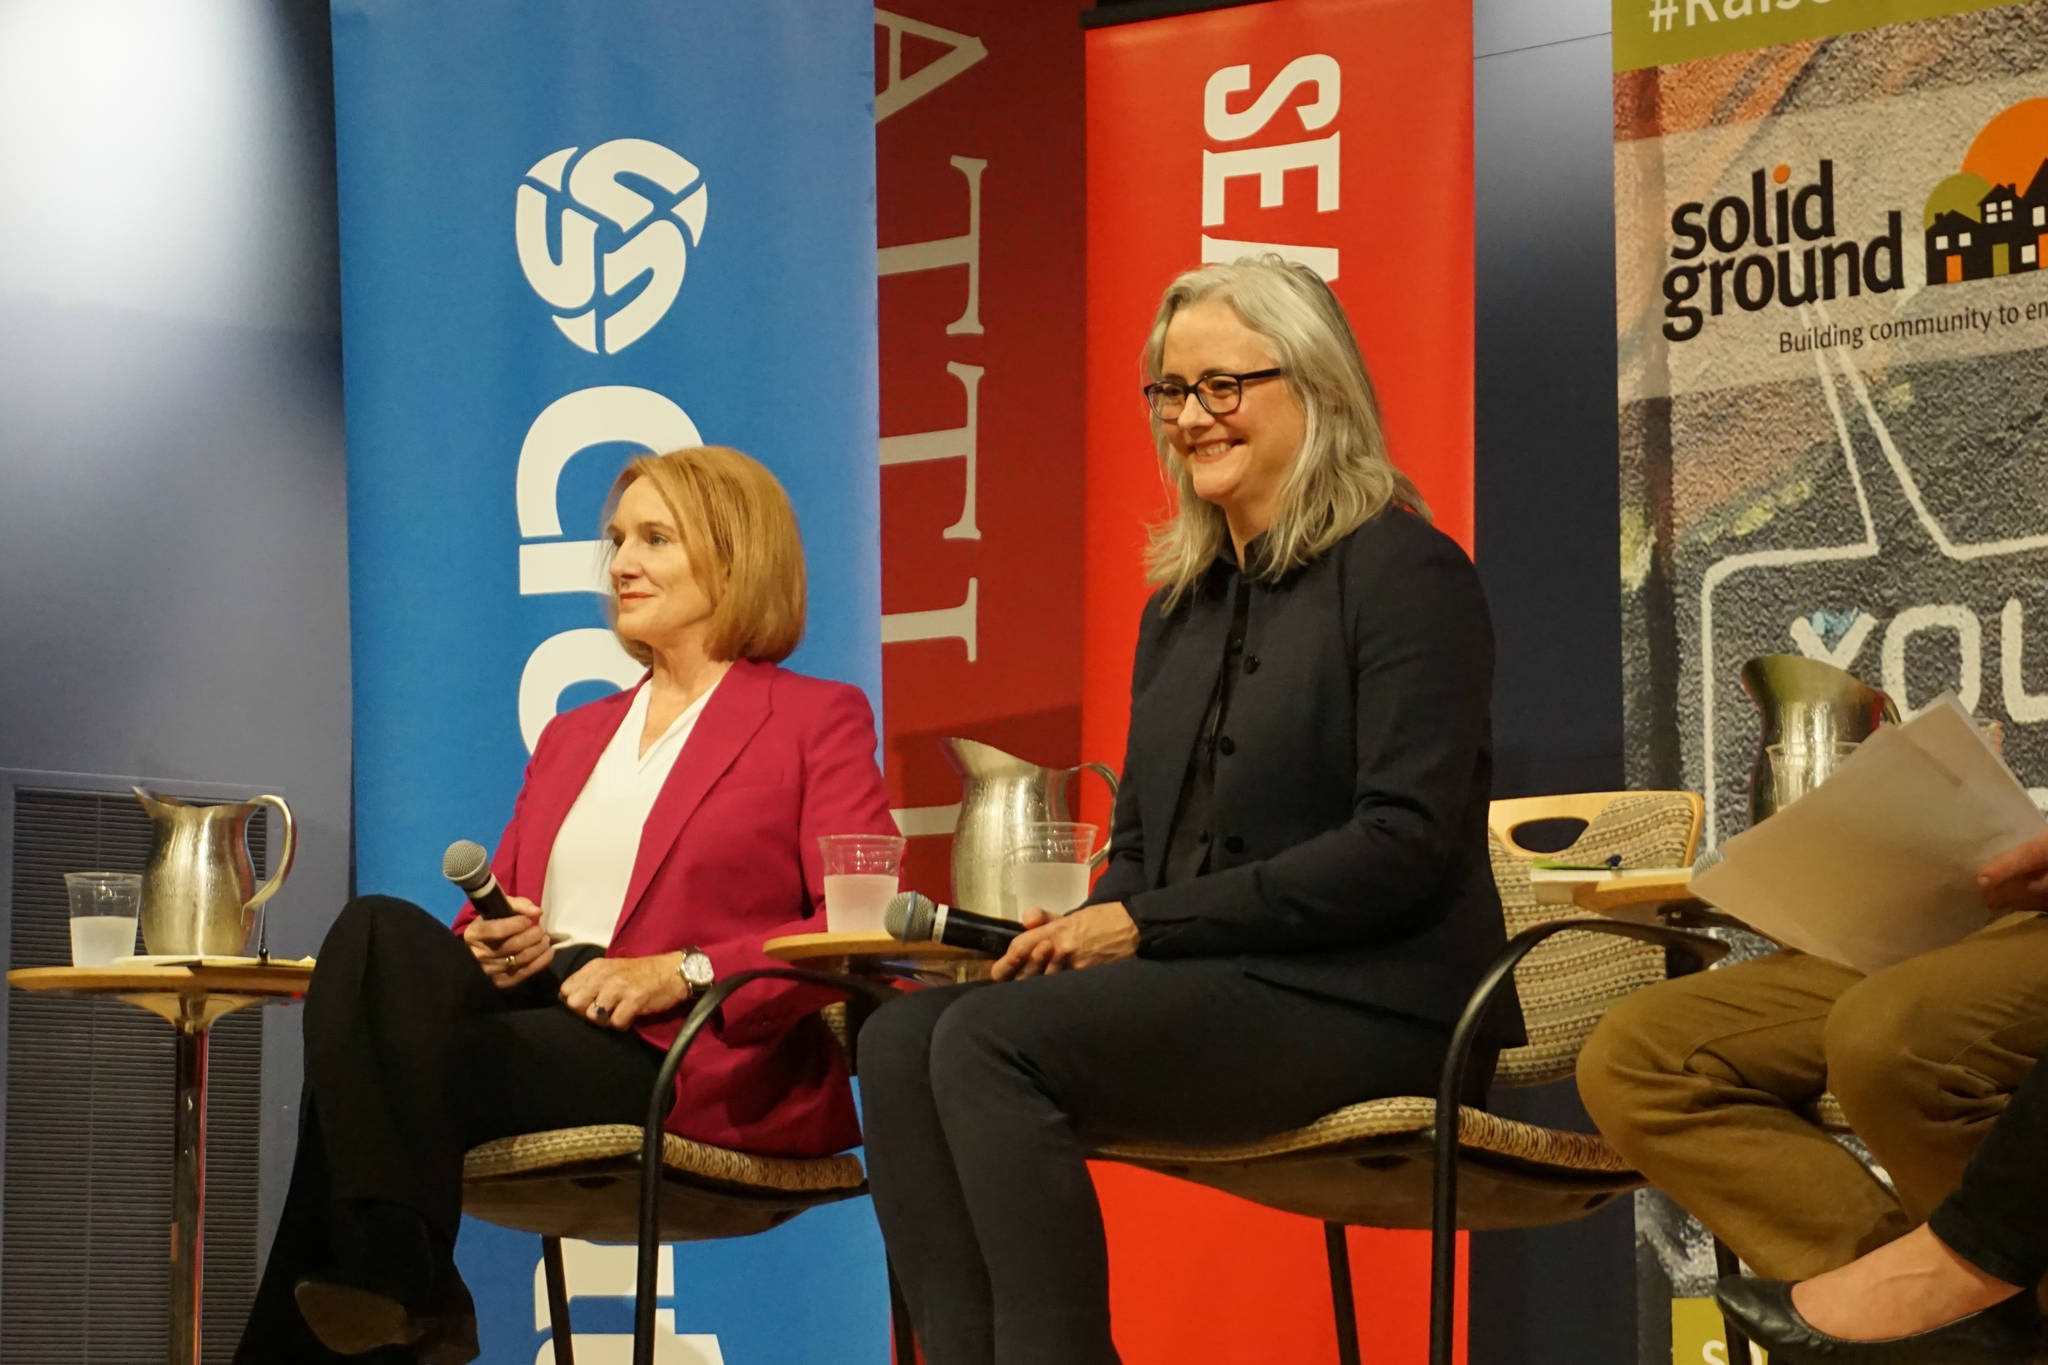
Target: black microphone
[
  {"x": 469, "y": 867},
  {"x": 912, "y": 918}
]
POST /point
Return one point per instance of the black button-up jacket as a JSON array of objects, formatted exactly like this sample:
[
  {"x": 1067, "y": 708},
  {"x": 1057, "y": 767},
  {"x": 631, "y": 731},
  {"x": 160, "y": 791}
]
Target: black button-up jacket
[{"x": 1347, "y": 815}]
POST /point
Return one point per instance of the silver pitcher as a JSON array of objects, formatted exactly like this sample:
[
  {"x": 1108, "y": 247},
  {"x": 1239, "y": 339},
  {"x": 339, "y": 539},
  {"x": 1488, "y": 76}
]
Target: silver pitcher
[
  {"x": 1811, "y": 707},
  {"x": 1001, "y": 794},
  {"x": 199, "y": 893}
]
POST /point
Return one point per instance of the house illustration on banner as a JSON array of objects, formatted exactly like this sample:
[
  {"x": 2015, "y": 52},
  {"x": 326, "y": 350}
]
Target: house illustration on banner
[
  {"x": 2008, "y": 235},
  {"x": 1979, "y": 223}
]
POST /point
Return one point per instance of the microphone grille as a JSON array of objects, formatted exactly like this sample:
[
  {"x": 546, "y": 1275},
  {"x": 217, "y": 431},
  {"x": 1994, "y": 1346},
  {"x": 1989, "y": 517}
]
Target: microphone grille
[
  {"x": 465, "y": 863},
  {"x": 908, "y": 917}
]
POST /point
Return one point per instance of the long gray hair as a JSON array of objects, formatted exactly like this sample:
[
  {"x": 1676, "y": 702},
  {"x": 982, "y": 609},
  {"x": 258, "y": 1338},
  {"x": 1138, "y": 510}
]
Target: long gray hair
[{"x": 1341, "y": 478}]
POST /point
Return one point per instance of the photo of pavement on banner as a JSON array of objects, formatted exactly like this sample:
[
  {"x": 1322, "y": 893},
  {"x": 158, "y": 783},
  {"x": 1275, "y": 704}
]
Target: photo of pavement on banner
[{"x": 1833, "y": 350}]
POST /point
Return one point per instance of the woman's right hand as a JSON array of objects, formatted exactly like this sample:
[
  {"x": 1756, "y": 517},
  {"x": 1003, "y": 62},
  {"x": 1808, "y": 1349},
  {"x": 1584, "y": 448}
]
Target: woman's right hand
[
  {"x": 2018, "y": 878},
  {"x": 511, "y": 947}
]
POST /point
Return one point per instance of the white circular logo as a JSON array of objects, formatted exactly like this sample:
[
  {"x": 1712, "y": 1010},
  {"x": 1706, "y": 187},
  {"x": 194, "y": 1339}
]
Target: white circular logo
[{"x": 643, "y": 237}]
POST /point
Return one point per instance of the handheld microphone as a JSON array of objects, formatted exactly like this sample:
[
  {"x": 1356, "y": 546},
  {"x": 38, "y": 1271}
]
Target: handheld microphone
[
  {"x": 469, "y": 867},
  {"x": 912, "y": 918}
]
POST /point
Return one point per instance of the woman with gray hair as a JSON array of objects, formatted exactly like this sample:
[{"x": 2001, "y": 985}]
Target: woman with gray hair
[{"x": 1298, "y": 897}]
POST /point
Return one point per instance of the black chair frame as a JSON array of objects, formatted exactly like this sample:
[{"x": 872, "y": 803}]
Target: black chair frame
[
  {"x": 864, "y": 996},
  {"x": 1443, "y": 1250}
]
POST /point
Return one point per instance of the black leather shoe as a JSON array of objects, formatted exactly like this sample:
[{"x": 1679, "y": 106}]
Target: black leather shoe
[
  {"x": 350, "y": 1320},
  {"x": 393, "y": 1283},
  {"x": 450, "y": 1335},
  {"x": 1764, "y": 1312}
]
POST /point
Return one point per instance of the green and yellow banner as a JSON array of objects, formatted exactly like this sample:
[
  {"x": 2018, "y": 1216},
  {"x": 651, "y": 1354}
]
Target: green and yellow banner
[{"x": 1663, "y": 32}]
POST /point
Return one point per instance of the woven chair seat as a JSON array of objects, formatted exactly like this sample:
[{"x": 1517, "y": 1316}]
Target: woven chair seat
[
  {"x": 584, "y": 1183},
  {"x": 1370, "y": 1164}
]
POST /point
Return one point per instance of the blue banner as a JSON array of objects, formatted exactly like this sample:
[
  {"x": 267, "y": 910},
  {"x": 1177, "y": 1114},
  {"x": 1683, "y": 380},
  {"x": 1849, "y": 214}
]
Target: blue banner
[{"x": 571, "y": 233}]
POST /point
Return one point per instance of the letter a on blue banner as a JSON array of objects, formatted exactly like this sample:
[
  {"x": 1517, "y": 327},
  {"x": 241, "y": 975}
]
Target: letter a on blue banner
[{"x": 571, "y": 233}]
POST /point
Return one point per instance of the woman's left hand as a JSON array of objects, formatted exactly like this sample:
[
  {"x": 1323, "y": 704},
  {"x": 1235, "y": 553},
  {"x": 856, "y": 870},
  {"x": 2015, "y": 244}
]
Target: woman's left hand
[
  {"x": 614, "y": 991},
  {"x": 1087, "y": 937}
]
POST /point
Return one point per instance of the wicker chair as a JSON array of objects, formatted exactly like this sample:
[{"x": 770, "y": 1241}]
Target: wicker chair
[
  {"x": 586, "y": 1182},
  {"x": 1385, "y": 1163}
]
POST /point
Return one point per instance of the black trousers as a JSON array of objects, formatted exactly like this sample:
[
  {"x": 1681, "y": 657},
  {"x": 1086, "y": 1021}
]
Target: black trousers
[
  {"x": 981, "y": 1102},
  {"x": 412, "y": 1058},
  {"x": 1998, "y": 1217}
]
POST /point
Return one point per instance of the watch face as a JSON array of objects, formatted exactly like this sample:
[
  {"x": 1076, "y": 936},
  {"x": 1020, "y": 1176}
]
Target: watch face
[{"x": 697, "y": 969}]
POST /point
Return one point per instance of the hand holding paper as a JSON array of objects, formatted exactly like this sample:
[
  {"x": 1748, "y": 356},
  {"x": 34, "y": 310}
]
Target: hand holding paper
[
  {"x": 2018, "y": 880},
  {"x": 1881, "y": 862}
]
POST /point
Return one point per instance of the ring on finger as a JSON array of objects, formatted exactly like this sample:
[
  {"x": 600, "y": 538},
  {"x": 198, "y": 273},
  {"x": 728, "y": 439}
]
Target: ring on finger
[
  {"x": 509, "y": 958},
  {"x": 600, "y": 1012}
]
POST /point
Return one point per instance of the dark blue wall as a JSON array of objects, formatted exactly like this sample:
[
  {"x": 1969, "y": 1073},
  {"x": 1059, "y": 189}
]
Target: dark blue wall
[{"x": 1548, "y": 550}]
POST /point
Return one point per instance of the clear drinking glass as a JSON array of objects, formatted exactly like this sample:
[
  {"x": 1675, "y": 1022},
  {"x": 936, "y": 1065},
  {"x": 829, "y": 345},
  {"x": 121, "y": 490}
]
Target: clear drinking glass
[
  {"x": 104, "y": 910},
  {"x": 1048, "y": 868},
  {"x": 1797, "y": 767},
  {"x": 861, "y": 872}
]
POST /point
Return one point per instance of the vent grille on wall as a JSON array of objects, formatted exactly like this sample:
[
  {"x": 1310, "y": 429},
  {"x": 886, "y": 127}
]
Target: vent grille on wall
[{"x": 84, "y": 1278}]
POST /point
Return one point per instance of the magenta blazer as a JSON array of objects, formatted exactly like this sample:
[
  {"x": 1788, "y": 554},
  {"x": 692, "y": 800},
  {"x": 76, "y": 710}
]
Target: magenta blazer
[{"x": 729, "y": 859}]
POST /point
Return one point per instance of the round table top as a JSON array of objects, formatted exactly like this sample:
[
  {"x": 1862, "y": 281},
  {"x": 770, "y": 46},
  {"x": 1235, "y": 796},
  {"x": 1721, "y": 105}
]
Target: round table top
[
  {"x": 199, "y": 978},
  {"x": 190, "y": 995},
  {"x": 875, "y": 947}
]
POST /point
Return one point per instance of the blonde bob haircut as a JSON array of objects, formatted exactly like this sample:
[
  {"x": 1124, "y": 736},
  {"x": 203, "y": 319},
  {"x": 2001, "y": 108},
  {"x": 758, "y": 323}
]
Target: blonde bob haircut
[
  {"x": 740, "y": 532},
  {"x": 1341, "y": 478}
]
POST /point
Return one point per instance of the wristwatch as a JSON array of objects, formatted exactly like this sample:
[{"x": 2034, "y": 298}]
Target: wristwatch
[{"x": 695, "y": 969}]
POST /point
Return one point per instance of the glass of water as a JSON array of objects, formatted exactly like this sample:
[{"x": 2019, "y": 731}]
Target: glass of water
[
  {"x": 861, "y": 873},
  {"x": 1048, "y": 867},
  {"x": 104, "y": 910}
]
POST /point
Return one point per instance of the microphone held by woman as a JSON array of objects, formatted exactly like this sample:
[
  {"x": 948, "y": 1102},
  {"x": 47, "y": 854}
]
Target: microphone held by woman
[
  {"x": 913, "y": 918},
  {"x": 469, "y": 867}
]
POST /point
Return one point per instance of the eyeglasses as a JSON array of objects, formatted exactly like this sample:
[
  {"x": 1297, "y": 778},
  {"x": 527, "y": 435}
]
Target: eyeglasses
[{"x": 1219, "y": 394}]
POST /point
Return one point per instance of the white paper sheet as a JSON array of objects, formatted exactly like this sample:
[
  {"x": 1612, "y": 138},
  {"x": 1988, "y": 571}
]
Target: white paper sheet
[{"x": 1879, "y": 863}]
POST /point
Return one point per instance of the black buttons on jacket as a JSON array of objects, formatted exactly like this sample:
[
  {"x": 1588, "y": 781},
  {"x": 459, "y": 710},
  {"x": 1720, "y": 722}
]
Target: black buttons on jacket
[
  {"x": 1226, "y": 746},
  {"x": 1251, "y": 663},
  {"x": 1233, "y": 844}
]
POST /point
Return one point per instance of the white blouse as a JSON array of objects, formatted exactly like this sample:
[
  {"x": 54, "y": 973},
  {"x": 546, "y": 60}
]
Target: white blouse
[{"x": 591, "y": 864}]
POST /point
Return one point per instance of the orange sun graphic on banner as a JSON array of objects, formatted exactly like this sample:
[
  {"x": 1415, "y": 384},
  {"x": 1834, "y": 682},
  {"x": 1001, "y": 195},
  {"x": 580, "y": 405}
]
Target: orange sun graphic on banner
[{"x": 2012, "y": 146}]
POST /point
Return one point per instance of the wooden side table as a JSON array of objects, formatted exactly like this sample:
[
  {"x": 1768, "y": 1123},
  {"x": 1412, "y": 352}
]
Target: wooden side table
[
  {"x": 1654, "y": 895},
  {"x": 190, "y": 998},
  {"x": 877, "y": 954}
]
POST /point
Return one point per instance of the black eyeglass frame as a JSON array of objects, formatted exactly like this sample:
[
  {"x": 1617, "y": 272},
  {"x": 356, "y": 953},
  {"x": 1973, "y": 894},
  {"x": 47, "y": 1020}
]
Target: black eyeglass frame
[{"x": 1239, "y": 380}]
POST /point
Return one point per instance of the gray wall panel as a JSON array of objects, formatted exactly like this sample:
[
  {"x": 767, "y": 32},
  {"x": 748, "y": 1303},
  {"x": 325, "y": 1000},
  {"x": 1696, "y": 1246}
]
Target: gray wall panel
[
  {"x": 1546, "y": 426},
  {"x": 1506, "y": 25},
  {"x": 173, "y": 562},
  {"x": 1547, "y": 550}
]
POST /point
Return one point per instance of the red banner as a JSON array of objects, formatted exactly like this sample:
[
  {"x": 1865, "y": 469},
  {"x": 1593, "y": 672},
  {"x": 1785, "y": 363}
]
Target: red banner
[
  {"x": 978, "y": 172},
  {"x": 1338, "y": 133}
]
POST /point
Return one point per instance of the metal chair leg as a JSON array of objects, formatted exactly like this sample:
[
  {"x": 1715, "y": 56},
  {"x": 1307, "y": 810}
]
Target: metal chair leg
[
  {"x": 1338, "y": 1252},
  {"x": 902, "y": 1335},
  {"x": 560, "y": 1336},
  {"x": 662, "y": 1099},
  {"x": 1726, "y": 1262}
]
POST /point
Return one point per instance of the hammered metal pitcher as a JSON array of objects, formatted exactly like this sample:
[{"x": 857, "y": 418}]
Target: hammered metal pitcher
[
  {"x": 1809, "y": 706},
  {"x": 199, "y": 893},
  {"x": 1001, "y": 794}
]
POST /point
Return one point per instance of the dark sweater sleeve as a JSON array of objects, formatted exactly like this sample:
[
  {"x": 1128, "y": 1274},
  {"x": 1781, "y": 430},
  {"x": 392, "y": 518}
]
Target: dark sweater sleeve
[{"x": 1422, "y": 658}]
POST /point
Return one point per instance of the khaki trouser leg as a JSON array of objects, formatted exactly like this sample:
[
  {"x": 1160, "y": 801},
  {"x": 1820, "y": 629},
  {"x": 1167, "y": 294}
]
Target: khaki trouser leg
[
  {"x": 1698, "y": 1082},
  {"x": 1925, "y": 1055}
]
